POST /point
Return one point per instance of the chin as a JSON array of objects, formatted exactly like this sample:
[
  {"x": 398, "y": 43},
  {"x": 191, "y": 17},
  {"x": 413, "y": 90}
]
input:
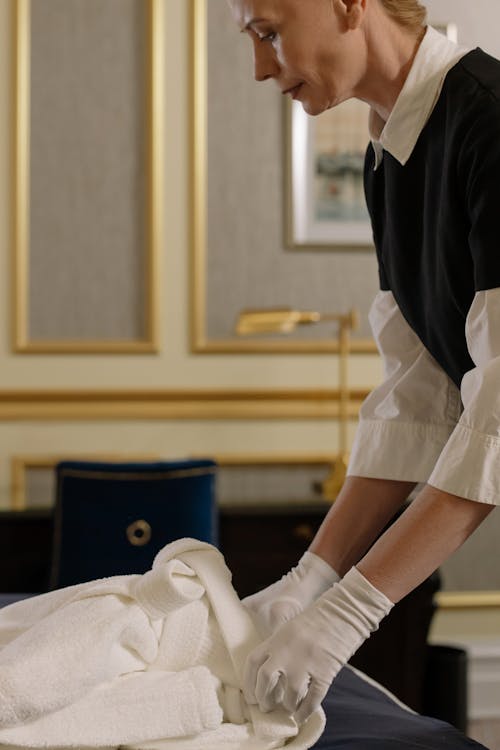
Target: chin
[{"x": 313, "y": 108}]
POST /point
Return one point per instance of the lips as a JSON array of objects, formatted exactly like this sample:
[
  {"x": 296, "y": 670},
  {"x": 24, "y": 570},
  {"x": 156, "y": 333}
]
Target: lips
[{"x": 292, "y": 90}]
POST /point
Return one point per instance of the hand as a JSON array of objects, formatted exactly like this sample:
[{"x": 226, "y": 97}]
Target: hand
[
  {"x": 283, "y": 600},
  {"x": 294, "y": 668}
]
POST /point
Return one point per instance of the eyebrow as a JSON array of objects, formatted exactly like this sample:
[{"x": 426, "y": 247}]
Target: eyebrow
[{"x": 250, "y": 23}]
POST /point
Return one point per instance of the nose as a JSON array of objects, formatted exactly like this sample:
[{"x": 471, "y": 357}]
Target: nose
[{"x": 264, "y": 59}]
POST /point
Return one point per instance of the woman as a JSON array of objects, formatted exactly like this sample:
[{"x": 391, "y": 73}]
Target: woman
[{"x": 431, "y": 179}]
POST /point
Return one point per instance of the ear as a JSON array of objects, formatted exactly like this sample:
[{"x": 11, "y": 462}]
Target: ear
[{"x": 353, "y": 12}]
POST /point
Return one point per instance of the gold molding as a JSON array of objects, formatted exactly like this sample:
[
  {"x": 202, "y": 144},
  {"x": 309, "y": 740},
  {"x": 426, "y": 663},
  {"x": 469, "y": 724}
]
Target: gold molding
[
  {"x": 199, "y": 171},
  {"x": 21, "y": 343},
  {"x": 61, "y": 405},
  {"x": 20, "y": 465},
  {"x": 200, "y": 343},
  {"x": 468, "y": 599}
]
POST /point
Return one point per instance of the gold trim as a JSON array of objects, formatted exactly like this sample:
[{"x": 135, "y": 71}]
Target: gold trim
[
  {"x": 272, "y": 459},
  {"x": 156, "y": 169},
  {"x": 468, "y": 599},
  {"x": 21, "y": 136},
  {"x": 289, "y": 345},
  {"x": 200, "y": 344},
  {"x": 21, "y": 344},
  {"x": 445, "y": 600},
  {"x": 199, "y": 172},
  {"x": 89, "y": 346},
  {"x": 160, "y": 405},
  {"x": 20, "y": 465},
  {"x": 18, "y": 471}
]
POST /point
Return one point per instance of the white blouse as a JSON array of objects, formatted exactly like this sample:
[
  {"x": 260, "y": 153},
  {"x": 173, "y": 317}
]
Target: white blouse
[{"x": 417, "y": 426}]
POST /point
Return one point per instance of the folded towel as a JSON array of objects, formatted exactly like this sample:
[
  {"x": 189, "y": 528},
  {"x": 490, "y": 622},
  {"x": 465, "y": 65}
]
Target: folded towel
[
  {"x": 150, "y": 662},
  {"x": 76, "y": 648},
  {"x": 133, "y": 708}
]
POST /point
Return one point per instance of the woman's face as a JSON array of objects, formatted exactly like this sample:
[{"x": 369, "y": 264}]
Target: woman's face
[{"x": 313, "y": 49}]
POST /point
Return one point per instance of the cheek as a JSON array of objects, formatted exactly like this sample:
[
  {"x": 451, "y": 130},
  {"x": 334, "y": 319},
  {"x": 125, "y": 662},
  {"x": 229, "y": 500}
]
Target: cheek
[{"x": 293, "y": 59}]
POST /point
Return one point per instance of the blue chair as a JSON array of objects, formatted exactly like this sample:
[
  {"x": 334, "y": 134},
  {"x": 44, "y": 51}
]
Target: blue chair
[{"x": 112, "y": 518}]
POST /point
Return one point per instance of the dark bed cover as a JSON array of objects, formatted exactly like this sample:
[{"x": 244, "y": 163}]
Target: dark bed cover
[{"x": 362, "y": 717}]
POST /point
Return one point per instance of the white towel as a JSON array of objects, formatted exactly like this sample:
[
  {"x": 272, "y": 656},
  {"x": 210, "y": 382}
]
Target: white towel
[{"x": 152, "y": 661}]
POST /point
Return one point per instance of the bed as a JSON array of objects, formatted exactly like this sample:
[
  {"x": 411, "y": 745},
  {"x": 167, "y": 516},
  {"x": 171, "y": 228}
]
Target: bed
[{"x": 361, "y": 715}]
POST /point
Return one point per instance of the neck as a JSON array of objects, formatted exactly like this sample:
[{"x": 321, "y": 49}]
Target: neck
[{"x": 391, "y": 52}]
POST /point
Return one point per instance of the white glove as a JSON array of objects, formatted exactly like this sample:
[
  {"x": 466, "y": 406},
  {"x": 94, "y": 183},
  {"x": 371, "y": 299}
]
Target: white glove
[
  {"x": 283, "y": 600},
  {"x": 294, "y": 668}
]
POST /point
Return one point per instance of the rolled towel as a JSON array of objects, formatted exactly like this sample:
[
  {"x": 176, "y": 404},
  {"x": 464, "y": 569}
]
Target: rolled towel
[{"x": 167, "y": 587}]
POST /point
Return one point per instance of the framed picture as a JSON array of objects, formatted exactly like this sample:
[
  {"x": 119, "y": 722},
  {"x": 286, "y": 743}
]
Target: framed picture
[
  {"x": 325, "y": 200},
  {"x": 325, "y": 203}
]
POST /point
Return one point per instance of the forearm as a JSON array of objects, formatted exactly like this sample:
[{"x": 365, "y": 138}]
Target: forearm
[
  {"x": 427, "y": 533},
  {"x": 360, "y": 512},
  {"x": 311, "y": 647}
]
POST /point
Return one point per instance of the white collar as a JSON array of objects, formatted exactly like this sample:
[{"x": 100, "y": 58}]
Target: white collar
[{"x": 416, "y": 100}]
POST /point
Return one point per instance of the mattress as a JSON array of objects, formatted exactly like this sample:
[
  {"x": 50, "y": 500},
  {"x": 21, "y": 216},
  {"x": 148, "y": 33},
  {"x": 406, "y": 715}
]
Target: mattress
[{"x": 362, "y": 715}]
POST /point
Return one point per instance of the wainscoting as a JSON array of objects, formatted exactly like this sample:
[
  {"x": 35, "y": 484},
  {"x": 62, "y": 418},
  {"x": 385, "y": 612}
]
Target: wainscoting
[
  {"x": 486, "y": 732},
  {"x": 484, "y": 691}
]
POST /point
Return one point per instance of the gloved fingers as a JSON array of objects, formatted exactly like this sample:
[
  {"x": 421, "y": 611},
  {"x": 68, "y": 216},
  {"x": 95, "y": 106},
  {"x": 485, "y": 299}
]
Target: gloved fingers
[
  {"x": 267, "y": 689},
  {"x": 276, "y": 696},
  {"x": 252, "y": 666},
  {"x": 315, "y": 694},
  {"x": 294, "y": 694}
]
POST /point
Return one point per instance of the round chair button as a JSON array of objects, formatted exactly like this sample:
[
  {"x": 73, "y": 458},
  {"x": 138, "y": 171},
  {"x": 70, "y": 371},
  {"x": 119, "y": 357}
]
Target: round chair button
[{"x": 139, "y": 533}]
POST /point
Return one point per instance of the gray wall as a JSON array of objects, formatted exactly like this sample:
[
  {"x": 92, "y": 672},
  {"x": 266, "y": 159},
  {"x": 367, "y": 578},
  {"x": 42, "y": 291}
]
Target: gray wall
[
  {"x": 87, "y": 169},
  {"x": 248, "y": 263}
]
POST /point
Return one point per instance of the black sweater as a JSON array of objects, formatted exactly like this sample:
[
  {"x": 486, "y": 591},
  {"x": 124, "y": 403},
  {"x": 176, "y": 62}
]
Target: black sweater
[{"x": 436, "y": 220}]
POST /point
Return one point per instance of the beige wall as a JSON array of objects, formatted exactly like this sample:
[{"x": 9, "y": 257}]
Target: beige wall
[{"x": 174, "y": 367}]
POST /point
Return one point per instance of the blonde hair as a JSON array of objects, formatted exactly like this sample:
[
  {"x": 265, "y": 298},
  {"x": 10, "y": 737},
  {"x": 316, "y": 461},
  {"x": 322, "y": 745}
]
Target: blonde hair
[{"x": 409, "y": 13}]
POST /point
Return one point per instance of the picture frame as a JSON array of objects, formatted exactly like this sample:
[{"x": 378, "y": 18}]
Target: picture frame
[
  {"x": 324, "y": 160},
  {"x": 324, "y": 177}
]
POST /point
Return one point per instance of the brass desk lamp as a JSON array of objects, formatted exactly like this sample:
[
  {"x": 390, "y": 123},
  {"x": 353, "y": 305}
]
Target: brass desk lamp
[{"x": 285, "y": 320}]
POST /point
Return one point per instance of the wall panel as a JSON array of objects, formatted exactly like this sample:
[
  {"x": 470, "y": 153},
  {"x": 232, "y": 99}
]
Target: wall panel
[{"x": 86, "y": 163}]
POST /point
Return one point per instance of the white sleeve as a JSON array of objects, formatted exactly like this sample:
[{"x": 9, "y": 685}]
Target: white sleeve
[
  {"x": 469, "y": 465},
  {"x": 405, "y": 422}
]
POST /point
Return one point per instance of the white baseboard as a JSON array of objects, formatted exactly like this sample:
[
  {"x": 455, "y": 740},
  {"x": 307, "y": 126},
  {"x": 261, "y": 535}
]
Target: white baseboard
[{"x": 483, "y": 681}]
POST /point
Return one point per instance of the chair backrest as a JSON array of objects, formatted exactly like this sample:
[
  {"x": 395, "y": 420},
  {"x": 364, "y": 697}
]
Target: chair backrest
[{"x": 112, "y": 518}]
